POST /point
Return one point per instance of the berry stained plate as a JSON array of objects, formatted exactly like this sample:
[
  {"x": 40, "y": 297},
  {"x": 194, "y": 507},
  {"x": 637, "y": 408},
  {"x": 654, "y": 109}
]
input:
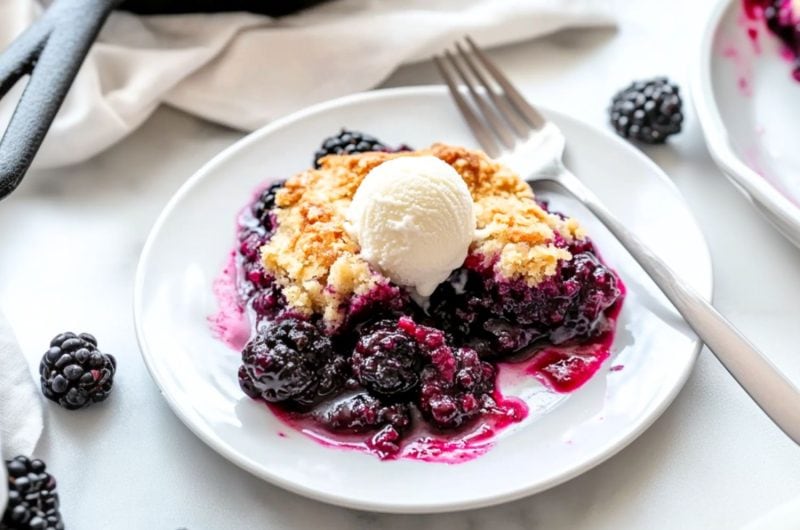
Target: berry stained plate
[
  {"x": 563, "y": 435},
  {"x": 745, "y": 91}
]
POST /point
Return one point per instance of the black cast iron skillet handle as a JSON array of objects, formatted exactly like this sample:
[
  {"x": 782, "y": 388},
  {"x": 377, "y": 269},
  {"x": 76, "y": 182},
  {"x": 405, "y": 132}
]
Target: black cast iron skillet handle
[{"x": 51, "y": 51}]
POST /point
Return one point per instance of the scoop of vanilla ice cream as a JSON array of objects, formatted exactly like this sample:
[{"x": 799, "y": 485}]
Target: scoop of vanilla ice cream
[{"x": 414, "y": 219}]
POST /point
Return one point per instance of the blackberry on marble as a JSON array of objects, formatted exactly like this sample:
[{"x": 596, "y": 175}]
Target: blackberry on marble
[
  {"x": 32, "y": 497},
  {"x": 74, "y": 373},
  {"x": 647, "y": 111}
]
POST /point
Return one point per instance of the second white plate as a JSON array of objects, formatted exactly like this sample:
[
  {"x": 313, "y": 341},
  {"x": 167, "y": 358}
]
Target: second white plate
[{"x": 197, "y": 374}]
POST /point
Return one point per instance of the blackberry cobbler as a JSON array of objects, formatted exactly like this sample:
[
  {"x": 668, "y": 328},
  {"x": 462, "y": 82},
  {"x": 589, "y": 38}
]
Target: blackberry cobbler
[{"x": 391, "y": 339}]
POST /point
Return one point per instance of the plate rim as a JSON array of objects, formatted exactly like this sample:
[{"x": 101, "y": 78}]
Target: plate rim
[
  {"x": 247, "y": 464},
  {"x": 774, "y": 205}
]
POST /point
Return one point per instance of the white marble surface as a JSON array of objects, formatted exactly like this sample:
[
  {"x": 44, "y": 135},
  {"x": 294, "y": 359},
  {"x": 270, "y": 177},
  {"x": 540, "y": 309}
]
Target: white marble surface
[{"x": 70, "y": 239}]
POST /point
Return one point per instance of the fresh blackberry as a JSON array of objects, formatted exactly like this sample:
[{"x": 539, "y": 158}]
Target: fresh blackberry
[
  {"x": 349, "y": 142},
  {"x": 74, "y": 373},
  {"x": 265, "y": 203},
  {"x": 32, "y": 498},
  {"x": 452, "y": 398},
  {"x": 289, "y": 360},
  {"x": 386, "y": 360},
  {"x": 363, "y": 413},
  {"x": 647, "y": 111}
]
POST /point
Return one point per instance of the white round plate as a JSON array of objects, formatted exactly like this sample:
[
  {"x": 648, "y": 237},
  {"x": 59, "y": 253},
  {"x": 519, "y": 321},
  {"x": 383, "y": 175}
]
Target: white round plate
[
  {"x": 748, "y": 105},
  {"x": 563, "y": 436}
]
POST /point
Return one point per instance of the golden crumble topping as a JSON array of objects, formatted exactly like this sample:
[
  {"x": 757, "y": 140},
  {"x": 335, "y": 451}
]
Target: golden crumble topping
[{"x": 318, "y": 263}]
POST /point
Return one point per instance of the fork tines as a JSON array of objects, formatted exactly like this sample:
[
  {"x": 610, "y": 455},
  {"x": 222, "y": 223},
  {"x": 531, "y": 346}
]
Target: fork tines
[{"x": 508, "y": 118}]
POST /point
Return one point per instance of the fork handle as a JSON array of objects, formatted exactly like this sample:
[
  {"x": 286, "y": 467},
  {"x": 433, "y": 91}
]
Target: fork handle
[{"x": 765, "y": 384}]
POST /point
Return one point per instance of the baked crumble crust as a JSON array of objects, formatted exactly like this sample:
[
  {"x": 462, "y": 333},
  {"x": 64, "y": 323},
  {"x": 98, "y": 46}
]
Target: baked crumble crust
[{"x": 317, "y": 262}]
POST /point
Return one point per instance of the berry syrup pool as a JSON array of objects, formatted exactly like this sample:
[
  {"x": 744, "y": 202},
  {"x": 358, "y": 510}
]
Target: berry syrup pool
[{"x": 422, "y": 443}]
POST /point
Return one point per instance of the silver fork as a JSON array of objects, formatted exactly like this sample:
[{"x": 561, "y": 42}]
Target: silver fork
[{"x": 514, "y": 132}]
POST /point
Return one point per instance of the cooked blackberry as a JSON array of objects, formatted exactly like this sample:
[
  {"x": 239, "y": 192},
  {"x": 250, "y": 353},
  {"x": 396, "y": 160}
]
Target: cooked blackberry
[
  {"x": 268, "y": 301},
  {"x": 74, "y": 373},
  {"x": 433, "y": 344},
  {"x": 363, "y": 413},
  {"x": 331, "y": 376},
  {"x": 253, "y": 280},
  {"x": 386, "y": 442},
  {"x": 384, "y": 300},
  {"x": 348, "y": 142},
  {"x": 32, "y": 497},
  {"x": 647, "y": 111},
  {"x": 450, "y": 399},
  {"x": 285, "y": 361},
  {"x": 497, "y": 316},
  {"x": 386, "y": 360},
  {"x": 264, "y": 204},
  {"x": 250, "y": 245},
  {"x": 360, "y": 413}
]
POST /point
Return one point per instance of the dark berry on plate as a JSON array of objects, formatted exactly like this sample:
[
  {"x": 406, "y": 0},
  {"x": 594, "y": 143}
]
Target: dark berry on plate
[
  {"x": 265, "y": 203},
  {"x": 595, "y": 288},
  {"x": 331, "y": 377},
  {"x": 386, "y": 360},
  {"x": 349, "y": 142},
  {"x": 450, "y": 399},
  {"x": 32, "y": 497},
  {"x": 498, "y": 316},
  {"x": 285, "y": 361},
  {"x": 268, "y": 301},
  {"x": 433, "y": 344},
  {"x": 647, "y": 111},
  {"x": 250, "y": 246},
  {"x": 74, "y": 373},
  {"x": 569, "y": 305},
  {"x": 362, "y": 413}
]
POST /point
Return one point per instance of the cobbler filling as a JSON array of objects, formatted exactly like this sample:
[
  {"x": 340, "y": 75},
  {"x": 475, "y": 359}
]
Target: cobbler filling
[
  {"x": 782, "y": 21},
  {"x": 377, "y": 371}
]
